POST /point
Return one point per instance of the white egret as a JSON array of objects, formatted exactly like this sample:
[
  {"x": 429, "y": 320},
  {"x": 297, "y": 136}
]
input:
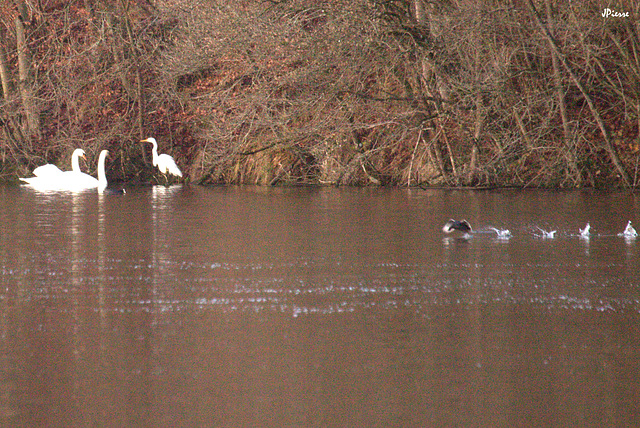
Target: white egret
[
  {"x": 461, "y": 225},
  {"x": 164, "y": 162}
]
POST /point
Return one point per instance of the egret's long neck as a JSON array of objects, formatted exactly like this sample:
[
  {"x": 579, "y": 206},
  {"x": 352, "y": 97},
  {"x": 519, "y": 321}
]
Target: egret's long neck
[
  {"x": 154, "y": 151},
  {"x": 75, "y": 162},
  {"x": 102, "y": 175}
]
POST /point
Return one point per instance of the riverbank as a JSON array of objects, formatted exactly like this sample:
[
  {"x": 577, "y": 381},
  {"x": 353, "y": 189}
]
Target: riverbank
[{"x": 334, "y": 93}]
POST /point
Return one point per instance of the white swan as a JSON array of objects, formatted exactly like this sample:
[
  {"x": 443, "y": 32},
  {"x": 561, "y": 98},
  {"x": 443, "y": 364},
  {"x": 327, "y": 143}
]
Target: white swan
[
  {"x": 71, "y": 180},
  {"x": 80, "y": 181},
  {"x": 47, "y": 176},
  {"x": 49, "y": 169},
  {"x": 164, "y": 162}
]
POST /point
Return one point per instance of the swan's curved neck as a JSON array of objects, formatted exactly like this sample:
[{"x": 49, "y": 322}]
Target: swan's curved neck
[
  {"x": 75, "y": 162},
  {"x": 102, "y": 175}
]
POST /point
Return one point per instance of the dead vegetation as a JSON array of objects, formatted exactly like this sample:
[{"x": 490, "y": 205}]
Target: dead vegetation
[{"x": 401, "y": 92}]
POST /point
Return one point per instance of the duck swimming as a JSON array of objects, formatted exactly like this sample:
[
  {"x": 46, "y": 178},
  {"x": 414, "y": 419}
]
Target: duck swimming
[{"x": 460, "y": 225}]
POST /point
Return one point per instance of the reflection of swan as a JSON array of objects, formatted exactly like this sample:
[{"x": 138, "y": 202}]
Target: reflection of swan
[
  {"x": 584, "y": 233},
  {"x": 48, "y": 169},
  {"x": 461, "y": 225},
  {"x": 164, "y": 162},
  {"x": 629, "y": 231},
  {"x": 72, "y": 180}
]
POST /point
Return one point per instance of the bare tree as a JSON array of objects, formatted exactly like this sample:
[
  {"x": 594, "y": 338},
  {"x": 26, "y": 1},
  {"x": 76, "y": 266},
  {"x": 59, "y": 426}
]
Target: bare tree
[
  {"x": 332, "y": 91},
  {"x": 5, "y": 75},
  {"x": 25, "y": 75}
]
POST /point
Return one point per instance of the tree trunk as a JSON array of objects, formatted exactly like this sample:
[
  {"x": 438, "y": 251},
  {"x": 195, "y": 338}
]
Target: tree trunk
[
  {"x": 420, "y": 12},
  {"x": 140, "y": 103},
  {"x": 7, "y": 87},
  {"x": 569, "y": 148},
  {"x": 26, "y": 82}
]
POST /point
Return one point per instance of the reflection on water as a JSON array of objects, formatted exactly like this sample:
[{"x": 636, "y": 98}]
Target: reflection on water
[{"x": 188, "y": 306}]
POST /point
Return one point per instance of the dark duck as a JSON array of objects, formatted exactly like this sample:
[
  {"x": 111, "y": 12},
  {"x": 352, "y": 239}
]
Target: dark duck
[{"x": 460, "y": 225}]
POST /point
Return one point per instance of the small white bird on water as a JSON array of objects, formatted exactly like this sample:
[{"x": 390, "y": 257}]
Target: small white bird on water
[
  {"x": 502, "y": 233},
  {"x": 584, "y": 233},
  {"x": 547, "y": 234},
  {"x": 629, "y": 231},
  {"x": 164, "y": 162}
]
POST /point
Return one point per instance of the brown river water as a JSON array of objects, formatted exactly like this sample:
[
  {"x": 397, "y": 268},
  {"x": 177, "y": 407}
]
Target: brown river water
[{"x": 317, "y": 307}]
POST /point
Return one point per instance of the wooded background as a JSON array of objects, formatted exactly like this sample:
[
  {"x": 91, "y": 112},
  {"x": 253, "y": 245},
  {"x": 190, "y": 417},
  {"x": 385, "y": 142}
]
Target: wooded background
[{"x": 358, "y": 92}]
